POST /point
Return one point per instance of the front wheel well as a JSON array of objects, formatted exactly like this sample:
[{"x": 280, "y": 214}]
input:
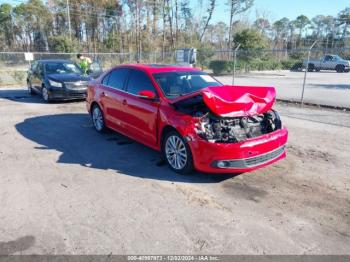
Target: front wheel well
[
  {"x": 165, "y": 131},
  {"x": 92, "y": 106}
]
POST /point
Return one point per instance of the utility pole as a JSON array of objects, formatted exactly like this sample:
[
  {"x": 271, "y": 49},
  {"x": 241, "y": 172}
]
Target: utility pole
[
  {"x": 69, "y": 25},
  {"x": 234, "y": 64},
  {"x": 306, "y": 70}
]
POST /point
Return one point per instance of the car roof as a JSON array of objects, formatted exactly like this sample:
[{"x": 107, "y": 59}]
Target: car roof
[
  {"x": 54, "y": 60},
  {"x": 160, "y": 68}
]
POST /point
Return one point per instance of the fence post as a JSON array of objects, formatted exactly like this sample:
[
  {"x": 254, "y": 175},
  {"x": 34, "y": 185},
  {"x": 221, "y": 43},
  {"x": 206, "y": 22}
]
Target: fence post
[
  {"x": 234, "y": 64},
  {"x": 306, "y": 71}
]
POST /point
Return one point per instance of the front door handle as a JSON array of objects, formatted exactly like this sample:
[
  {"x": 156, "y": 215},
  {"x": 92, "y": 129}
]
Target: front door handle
[{"x": 125, "y": 102}]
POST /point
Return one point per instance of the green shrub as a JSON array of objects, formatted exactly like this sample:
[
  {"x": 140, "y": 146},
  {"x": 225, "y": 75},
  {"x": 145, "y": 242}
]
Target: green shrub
[
  {"x": 219, "y": 66},
  {"x": 259, "y": 65},
  {"x": 297, "y": 55},
  {"x": 204, "y": 56},
  {"x": 290, "y": 64},
  {"x": 222, "y": 66}
]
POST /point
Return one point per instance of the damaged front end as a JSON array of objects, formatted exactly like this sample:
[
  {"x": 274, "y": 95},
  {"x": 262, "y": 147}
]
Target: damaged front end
[
  {"x": 218, "y": 129},
  {"x": 229, "y": 114}
]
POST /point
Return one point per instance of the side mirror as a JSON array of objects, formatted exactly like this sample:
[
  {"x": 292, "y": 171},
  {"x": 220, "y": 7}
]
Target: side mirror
[{"x": 147, "y": 94}]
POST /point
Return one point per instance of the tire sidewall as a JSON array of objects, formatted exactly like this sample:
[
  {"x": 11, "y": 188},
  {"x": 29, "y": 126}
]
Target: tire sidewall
[
  {"x": 340, "y": 68},
  {"x": 103, "y": 129},
  {"x": 189, "y": 167},
  {"x": 311, "y": 67},
  {"x": 30, "y": 89},
  {"x": 48, "y": 97}
]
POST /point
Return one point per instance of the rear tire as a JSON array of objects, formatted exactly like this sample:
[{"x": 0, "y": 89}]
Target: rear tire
[
  {"x": 340, "y": 68},
  {"x": 98, "y": 119},
  {"x": 177, "y": 153}
]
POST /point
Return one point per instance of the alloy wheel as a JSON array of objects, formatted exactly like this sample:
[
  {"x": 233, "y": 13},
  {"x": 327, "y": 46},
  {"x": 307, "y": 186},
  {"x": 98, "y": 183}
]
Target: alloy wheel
[
  {"x": 97, "y": 119},
  {"x": 45, "y": 94},
  {"x": 176, "y": 152},
  {"x": 30, "y": 90}
]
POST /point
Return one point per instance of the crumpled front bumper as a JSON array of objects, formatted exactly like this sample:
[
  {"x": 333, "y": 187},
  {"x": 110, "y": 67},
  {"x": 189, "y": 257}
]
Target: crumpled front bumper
[{"x": 240, "y": 157}]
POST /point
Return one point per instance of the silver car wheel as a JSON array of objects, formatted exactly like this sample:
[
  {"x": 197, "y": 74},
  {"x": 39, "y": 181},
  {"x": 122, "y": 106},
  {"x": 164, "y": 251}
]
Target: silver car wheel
[
  {"x": 97, "y": 118},
  {"x": 45, "y": 94},
  {"x": 30, "y": 91},
  {"x": 176, "y": 152}
]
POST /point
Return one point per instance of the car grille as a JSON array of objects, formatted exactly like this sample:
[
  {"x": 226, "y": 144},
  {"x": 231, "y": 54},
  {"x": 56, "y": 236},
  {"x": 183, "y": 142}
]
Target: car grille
[
  {"x": 253, "y": 161},
  {"x": 258, "y": 160},
  {"x": 76, "y": 85}
]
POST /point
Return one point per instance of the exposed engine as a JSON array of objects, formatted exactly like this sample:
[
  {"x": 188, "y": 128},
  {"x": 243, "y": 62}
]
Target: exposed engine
[
  {"x": 218, "y": 129},
  {"x": 232, "y": 130}
]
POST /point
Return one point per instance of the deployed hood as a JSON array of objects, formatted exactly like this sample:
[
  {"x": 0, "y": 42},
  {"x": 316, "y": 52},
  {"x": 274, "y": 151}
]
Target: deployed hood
[
  {"x": 235, "y": 101},
  {"x": 68, "y": 77}
]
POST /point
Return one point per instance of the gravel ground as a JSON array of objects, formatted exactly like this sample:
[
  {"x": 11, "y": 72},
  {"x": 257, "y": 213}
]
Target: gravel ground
[
  {"x": 326, "y": 88},
  {"x": 66, "y": 189}
]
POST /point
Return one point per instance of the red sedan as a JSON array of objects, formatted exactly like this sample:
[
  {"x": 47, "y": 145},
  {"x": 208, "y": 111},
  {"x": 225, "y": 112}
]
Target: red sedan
[{"x": 192, "y": 119}]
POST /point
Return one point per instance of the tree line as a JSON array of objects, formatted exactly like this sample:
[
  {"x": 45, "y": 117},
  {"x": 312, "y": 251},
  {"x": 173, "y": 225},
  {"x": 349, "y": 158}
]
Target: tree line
[{"x": 135, "y": 26}]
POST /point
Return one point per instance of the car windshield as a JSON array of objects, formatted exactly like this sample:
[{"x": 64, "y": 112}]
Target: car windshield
[
  {"x": 175, "y": 84},
  {"x": 62, "y": 68}
]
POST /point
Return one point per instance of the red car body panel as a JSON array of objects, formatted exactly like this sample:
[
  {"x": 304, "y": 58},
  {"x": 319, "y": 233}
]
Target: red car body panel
[
  {"x": 238, "y": 101},
  {"x": 145, "y": 120}
]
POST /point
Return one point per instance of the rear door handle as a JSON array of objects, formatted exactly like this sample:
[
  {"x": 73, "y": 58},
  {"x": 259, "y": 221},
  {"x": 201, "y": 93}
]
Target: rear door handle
[{"x": 125, "y": 102}]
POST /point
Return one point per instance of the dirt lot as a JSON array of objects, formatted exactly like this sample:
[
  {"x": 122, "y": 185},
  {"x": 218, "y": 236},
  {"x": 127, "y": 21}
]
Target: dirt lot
[{"x": 66, "y": 189}]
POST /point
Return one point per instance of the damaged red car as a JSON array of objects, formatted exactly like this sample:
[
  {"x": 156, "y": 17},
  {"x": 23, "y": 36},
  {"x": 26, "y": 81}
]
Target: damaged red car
[{"x": 192, "y": 119}]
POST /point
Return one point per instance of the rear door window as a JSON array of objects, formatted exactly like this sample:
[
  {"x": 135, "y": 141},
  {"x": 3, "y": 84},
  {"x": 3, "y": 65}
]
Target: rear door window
[
  {"x": 34, "y": 67},
  {"x": 105, "y": 80},
  {"x": 40, "y": 69},
  {"x": 116, "y": 79},
  {"x": 139, "y": 81}
]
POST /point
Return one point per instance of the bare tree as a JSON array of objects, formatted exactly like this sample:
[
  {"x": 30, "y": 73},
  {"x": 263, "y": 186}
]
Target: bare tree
[
  {"x": 210, "y": 11},
  {"x": 237, "y": 7}
]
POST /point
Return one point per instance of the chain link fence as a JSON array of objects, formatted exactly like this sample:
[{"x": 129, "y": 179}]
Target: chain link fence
[
  {"x": 14, "y": 67},
  {"x": 325, "y": 79},
  {"x": 281, "y": 68}
]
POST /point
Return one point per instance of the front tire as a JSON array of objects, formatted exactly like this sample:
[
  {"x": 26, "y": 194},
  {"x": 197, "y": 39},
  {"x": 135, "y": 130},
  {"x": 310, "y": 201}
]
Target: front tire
[
  {"x": 311, "y": 67},
  {"x": 45, "y": 94},
  {"x": 30, "y": 89},
  {"x": 177, "y": 153},
  {"x": 98, "y": 119}
]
